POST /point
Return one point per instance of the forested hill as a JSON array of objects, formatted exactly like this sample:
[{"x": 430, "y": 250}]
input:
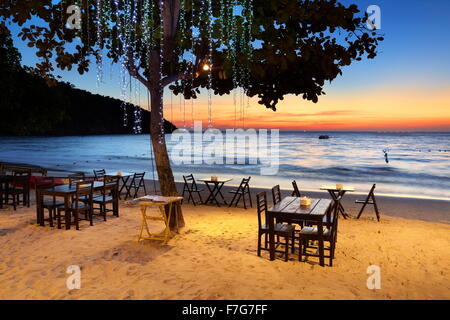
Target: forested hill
[{"x": 29, "y": 106}]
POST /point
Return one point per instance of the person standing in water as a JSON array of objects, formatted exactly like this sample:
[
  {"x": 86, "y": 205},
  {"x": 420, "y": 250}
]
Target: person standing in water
[{"x": 386, "y": 156}]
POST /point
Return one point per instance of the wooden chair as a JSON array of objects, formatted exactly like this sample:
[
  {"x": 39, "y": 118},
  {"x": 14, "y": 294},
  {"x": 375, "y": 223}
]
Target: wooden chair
[
  {"x": 285, "y": 231},
  {"x": 79, "y": 205},
  {"x": 109, "y": 195},
  {"x": 326, "y": 232},
  {"x": 99, "y": 174},
  {"x": 75, "y": 177},
  {"x": 369, "y": 200},
  {"x": 239, "y": 193},
  {"x": 137, "y": 182},
  {"x": 50, "y": 203},
  {"x": 24, "y": 185},
  {"x": 14, "y": 189},
  {"x": 296, "y": 192},
  {"x": 276, "y": 194},
  {"x": 190, "y": 186}
]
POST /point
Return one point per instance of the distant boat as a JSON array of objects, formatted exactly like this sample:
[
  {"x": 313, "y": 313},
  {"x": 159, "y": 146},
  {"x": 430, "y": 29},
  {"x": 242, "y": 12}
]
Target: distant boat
[{"x": 325, "y": 137}]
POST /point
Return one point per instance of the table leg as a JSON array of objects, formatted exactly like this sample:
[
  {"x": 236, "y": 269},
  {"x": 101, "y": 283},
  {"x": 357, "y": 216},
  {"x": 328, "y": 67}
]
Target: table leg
[
  {"x": 214, "y": 194},
  {"x": 334, "y": 196},
  {"x": 169, "y": 218},
  {"x": 344, "y": 214},
  {"x": 124, "y": 183},
  {"x": 271, "y": 236},
  {"x": 177, "y": 207},
  {"x": 40, "y": 210},
  {"x": 67, "y": 217},
  {"x": 210, "y": 193},
  {"x": 321, "y": 253},
  {"x": 116, "y": 197},
  {"x": 219, "y": 192},
  {"x": 127, "y": 188}
]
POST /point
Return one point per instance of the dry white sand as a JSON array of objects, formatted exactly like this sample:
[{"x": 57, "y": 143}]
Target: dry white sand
[{"x": 214, "y": 257}]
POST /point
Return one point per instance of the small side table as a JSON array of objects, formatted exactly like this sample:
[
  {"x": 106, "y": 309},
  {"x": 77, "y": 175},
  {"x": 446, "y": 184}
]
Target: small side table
[
  {"x": 335, "y": 193},
  {"x": 159, "y": 202},
  {"x": 215, "y": 187}
]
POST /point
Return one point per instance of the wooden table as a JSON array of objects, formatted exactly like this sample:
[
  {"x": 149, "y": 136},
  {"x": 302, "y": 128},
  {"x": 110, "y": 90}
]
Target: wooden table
[
  {"x": 335, "y": 193},
  {"x": 160, "y": 202},
  {"x": 215, "y": 187},
  {"x": 64, "y": 191},
  {"x": 122, "y": 176},
  {"x": 288, "y": 209}
]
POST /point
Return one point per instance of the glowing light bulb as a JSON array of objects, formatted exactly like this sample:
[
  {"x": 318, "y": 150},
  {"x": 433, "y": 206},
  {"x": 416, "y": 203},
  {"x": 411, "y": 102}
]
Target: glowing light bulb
[{"x": 205, "y": 67}]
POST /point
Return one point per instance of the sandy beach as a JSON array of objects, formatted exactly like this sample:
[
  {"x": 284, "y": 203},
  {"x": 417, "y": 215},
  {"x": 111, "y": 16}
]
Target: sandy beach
[{"x": 214, "y": 257}]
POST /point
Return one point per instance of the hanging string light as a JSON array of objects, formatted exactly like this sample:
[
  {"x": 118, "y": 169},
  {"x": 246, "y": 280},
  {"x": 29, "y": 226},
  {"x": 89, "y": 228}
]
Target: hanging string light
[
  {"x": 192, "y": 62},
  {"x": 99, "y": 44},
  {"x": 210, "y": 61},
  {"x": 161, "y": 138},
  {"x": 123, "y": 70},
  {"x": 135, "y": 23}
]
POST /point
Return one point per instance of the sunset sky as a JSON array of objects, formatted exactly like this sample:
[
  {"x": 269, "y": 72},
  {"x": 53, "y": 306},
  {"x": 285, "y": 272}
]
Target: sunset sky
[{"x": 406, "y": 88}]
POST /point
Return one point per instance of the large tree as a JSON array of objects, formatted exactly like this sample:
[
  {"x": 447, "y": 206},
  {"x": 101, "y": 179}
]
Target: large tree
[{"x": 271, "y": 48}]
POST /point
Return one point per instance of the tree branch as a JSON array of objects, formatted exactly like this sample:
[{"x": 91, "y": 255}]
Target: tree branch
[
  {"x": 134, "y": 71},
  {"x": 173, "y": 78}
]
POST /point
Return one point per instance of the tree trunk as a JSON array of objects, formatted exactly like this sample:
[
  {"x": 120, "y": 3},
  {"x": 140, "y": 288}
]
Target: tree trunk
[
  {"x": 165, "y": 174},
  {"x": 155, "y": 86}
]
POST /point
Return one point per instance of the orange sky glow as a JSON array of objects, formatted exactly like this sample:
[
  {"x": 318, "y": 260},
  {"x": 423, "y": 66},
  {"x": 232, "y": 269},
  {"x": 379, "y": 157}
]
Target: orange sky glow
[{"x": 382, "y": 109}]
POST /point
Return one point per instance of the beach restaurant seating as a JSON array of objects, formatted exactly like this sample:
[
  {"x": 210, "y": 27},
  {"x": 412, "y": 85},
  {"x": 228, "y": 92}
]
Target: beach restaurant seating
[
  {"x": 241, "y": 192},
  {"x": 12, "y": 167},
  {"x": 325, "y": 231},
  {"x": 296, "y": 191},
  {"x": 371, "y": 201},
  {"x": 108, "y": 195},
  {"x": 137, "y": 182},
  {"x": 285, "y": 231},
  {"x": 190, "y": 186},
  {"x": 82, "y": 203},
  {"x": 48, "y": 203}
]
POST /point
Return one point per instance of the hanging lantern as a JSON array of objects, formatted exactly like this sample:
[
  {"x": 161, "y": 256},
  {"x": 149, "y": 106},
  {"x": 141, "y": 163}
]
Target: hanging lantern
[{"x": 206, "y": 67}]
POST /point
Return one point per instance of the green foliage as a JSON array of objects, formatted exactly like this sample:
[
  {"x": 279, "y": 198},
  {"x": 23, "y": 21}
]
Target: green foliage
[{"x": 299, "y": 44}]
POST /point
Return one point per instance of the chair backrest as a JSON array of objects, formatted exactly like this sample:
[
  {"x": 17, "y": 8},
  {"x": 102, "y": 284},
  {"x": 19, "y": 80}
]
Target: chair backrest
[
  {"x": 190, "y": 182},
  {"x": 109, "y": 184},
  {"x": 99, "y": 174},
  {"x": 84, "y": 191},
  {"x": 19, "y": 181},
  {"x": 138, "y": 177},
  {"x": 76, "y": 177},
  {"x": 22, "y": 172},
  {"x": 276, "y": 194},
  {"x": 261, "y": 207},
  {"x": 372, "y": 190},
  {"x": 296, "y": 192},
  {"x": 244, "y": 184},
  {"x": 24, "y": 176},
  {"x": 44, "y": 183}
]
